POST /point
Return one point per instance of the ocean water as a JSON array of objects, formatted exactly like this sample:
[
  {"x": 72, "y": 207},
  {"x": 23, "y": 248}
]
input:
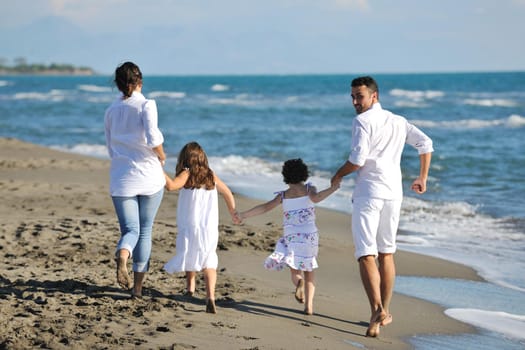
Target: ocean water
[{"x": 473, "y": 212}]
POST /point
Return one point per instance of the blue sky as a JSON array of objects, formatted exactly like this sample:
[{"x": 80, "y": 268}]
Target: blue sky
[{"x": 268, "y": 36}]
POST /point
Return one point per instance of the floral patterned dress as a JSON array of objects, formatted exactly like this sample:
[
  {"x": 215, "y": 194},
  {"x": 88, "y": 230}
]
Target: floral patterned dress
[{"x": 299, "y": 244}]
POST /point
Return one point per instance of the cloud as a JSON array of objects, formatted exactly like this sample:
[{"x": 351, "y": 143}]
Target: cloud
[
  {"x": 353, "y": 4},
  {"x": 58, "y": 5},
  {"x": 272, "y": 36},
  {"x": 83, "y": 12},
  {"x": 119, "y": 16},
  {"x": 21, "y": 12}
]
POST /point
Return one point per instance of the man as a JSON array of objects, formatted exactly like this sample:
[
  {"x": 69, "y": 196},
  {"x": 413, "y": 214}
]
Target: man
[{"x": 378, "y": 139}]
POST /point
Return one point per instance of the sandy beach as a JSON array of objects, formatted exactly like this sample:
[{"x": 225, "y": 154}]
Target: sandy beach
[{"x": 58, "y": 286}]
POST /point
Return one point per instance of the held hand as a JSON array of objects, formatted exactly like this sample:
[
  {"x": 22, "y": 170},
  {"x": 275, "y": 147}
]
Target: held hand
[
  {"x": 419, "y": 186},
  {"x": 335, "y": 182},
  {"x": 168, "y": 180},
  {"x": 236, "y": 218}
]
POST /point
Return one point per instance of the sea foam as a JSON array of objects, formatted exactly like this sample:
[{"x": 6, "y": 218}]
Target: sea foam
[
  {"x": 513, "y": 121},
  {"x": 417, "y": 94},
  {"x": 481, "y": 304},
  {"x": 53, "y": 96},
  {"x": 502, "y": 322},
  {"x": 496, "y": 102},
  {"x": 94, "y": 88},
  {"x": 219, "y": 87},
  {"x": 167, "y": 94}
]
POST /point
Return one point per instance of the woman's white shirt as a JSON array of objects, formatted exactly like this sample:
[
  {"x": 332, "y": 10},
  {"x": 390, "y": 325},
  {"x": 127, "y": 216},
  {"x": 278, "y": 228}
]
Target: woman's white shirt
[{"x": 131, "y": 128}]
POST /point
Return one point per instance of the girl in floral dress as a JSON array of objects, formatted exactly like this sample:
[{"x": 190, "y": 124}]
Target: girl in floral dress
[{"x": 299, "y": 244}]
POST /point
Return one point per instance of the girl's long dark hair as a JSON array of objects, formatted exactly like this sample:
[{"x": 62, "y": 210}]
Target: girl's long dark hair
[{"x": 193, "y": 157}]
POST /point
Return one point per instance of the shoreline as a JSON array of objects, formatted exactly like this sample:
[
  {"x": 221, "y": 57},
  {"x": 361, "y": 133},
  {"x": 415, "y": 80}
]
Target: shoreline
[{"x": 59, "y": 235}]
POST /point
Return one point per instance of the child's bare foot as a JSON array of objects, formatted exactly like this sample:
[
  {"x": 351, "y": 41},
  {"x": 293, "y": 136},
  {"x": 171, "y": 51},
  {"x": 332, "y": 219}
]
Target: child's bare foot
[
  {"x": 210, "y": 307},
  {"x": 299, "y": 291},
  {"x": 188, "y": 296},
  {"x": 375, "y": 322},
  {"x": 387, "y": 320},
  {"x": 135, "y": 295},
  {"x": 123, "y": 278}
]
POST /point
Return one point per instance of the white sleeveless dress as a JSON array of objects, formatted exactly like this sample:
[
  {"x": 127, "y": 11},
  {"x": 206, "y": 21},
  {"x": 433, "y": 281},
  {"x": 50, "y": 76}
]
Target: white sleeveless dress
[
  {"x": 198, "y": 231},
  {"x": 299, "y": 244}
]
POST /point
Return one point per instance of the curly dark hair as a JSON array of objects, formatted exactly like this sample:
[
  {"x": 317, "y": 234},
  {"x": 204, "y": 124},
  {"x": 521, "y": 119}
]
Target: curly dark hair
[{"x": 294, "y": 171}]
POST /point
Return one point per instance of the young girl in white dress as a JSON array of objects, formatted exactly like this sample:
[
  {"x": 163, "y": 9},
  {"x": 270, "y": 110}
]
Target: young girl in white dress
[
  {"x": 197, "y": 219},
  {"x": 299, "y": 244}
]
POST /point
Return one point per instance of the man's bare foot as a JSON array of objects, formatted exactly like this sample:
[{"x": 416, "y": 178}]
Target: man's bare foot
[
  {"x": 387, "y": 320},
  {"x": 375, "y": 322},
  {"x": 123, "y": 278},
  {"x": 210, "y": 307},
  {"x": 299, "y": 291}
]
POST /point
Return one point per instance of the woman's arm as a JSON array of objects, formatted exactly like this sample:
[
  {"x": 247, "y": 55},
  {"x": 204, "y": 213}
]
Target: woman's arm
[
  {"x": 159, "y": 151},
  {"x": 154, "y": 137}
]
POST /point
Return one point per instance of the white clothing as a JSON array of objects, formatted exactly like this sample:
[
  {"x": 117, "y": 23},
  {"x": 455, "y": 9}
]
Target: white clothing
[
  {"x": 378, "y": 139},
  {"x": 198, "y": 231},
  {"x": 131, "y": 133},
  {"x": 299, "y": 245},
  {"x": 374, "y": 226}
]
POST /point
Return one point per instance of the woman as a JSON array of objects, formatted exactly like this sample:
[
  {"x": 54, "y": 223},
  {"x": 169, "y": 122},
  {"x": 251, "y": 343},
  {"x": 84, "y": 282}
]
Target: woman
[{"x": 137, "y": 180}]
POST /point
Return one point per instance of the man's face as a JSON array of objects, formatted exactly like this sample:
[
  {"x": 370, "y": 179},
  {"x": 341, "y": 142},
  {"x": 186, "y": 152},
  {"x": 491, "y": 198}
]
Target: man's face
[{"x": 363, "y": 98}]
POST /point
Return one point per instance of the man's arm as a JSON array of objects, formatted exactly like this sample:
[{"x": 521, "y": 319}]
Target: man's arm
[
  {"x": 420, "y": 183},
  {"x": 344, "y": 170}
]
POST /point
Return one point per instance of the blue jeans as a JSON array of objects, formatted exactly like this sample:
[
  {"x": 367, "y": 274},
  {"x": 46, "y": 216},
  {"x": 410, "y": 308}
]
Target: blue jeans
[{"x": 135, "y": 216}]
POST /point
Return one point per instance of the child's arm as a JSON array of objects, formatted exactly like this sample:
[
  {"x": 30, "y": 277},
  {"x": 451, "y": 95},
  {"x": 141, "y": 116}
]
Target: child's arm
[
  {"x": 178, "y": 182},
  {"x": 316, "y": 197},
  {"x": 261, "y": 208},
  {"x": 227, "y": 194}
]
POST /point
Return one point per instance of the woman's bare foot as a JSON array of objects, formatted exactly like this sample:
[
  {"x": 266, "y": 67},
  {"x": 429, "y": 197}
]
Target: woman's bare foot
[
  {"x": 210, "y": 307},
  {"x": 299, "y": 291},
  {"x": 375, "y": 322},
  {"x": 123, "y": 278},
  {"x": 308, "y": 312}
]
